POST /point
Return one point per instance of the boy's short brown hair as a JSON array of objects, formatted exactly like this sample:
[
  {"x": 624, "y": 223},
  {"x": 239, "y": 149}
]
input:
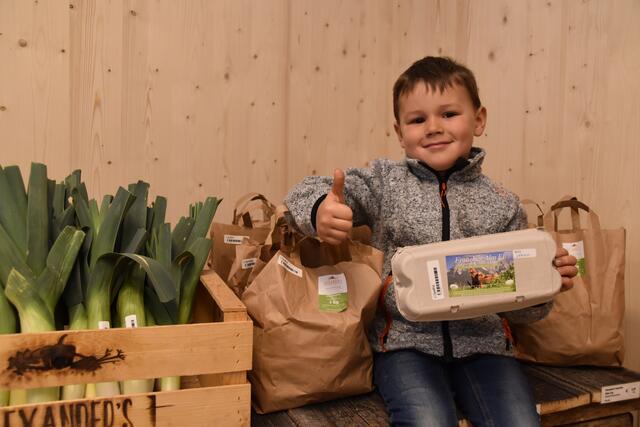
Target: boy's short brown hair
[{"x": 437, "y": 72}]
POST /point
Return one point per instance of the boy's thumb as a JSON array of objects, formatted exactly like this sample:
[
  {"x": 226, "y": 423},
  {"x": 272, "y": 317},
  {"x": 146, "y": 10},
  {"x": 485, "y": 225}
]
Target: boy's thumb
[{"x": 338, "y": 185}]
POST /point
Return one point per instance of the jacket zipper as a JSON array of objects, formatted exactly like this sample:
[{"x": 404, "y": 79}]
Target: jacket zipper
[{"x": 446, "y": 235}]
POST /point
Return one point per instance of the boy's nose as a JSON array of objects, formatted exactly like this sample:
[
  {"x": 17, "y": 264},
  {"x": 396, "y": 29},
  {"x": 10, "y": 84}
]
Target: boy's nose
[{"x": 433, "y": 127}]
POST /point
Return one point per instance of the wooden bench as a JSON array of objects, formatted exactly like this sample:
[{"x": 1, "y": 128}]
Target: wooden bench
[{"x": 581, "y": 396}]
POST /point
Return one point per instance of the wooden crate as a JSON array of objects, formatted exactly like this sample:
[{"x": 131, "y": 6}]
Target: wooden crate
[{"x": 212, "y": 354}]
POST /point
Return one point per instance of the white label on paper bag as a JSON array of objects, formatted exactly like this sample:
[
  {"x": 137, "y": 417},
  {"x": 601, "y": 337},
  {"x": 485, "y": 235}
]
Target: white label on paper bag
[
  {"x": 104, "y": 324},
  {"x": 332, "y": 292},
  {"x": 577, "y": 250},
  {"x": 433, "y": 270},
  {"x": 248, "y": 263},
  {"x": 617, "y": 392},
  {"x": 230, "y": 239},
  {"x": 131, "y": 321},
  {"x": 524, "y": 253},
  {"x": 288, "y": 265}
]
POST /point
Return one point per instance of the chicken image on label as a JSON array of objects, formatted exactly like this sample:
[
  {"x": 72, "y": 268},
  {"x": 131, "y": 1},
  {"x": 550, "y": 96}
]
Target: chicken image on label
[{"x": 465, "y": 278}]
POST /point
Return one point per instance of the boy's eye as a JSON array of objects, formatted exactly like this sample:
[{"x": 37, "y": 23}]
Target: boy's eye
[
  {"x": 449, "y": 114},
  {"x": 416, "y": 120}
]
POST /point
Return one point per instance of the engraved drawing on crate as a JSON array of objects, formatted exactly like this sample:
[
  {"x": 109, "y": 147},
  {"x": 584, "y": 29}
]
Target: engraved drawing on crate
[{"x": 60, "y": 356}]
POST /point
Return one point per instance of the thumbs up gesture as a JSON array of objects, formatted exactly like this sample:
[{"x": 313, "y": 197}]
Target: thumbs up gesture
[{"x": 334, "y": 219}]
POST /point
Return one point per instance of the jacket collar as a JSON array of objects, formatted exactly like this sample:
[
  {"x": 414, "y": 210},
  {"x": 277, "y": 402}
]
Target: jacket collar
[{"x": 463, "y": 169}]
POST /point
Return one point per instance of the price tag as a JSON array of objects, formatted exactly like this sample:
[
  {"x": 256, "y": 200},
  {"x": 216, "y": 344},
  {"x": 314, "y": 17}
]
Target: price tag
[
  {"x": 524, "y": 253},
  {"x": 104, "y": 324},
  {"x": 332, "y": 292},
  {"x": 131, "y": 321},
  {"x": 248, "y": 263},
  {"x": 289, "y": 266},
  {"x": 230, "y": 239},
  {"x": 617, "y": 392},
  {"x": 576, "y": 249}
]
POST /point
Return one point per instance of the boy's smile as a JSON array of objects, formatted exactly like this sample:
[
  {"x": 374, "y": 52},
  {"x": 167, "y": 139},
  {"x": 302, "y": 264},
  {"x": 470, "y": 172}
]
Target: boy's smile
[{"x": 437, "y": 127}]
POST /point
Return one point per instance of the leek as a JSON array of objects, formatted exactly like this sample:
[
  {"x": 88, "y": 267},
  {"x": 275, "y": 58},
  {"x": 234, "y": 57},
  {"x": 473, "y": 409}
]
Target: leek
[
  {"x": 98, "y": 298},
  {"x": 132, "y": 315},
  {"x": 107, "y": 263},
  {"x": 130, "y": 300},
  {"x": 13, "y": 213},
  {"x": 7, "y": 326},
  {"x": 77, "y": 320},
  {"x": 74, "y": 293},
  {"x": 34, "y": 276},
  {"x": 34, "y": 301},
  {"x": 187, "y": 248}
]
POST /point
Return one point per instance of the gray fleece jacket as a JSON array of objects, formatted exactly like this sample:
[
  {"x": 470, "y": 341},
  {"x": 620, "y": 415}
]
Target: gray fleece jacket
[{"x": 404, "y": 204}]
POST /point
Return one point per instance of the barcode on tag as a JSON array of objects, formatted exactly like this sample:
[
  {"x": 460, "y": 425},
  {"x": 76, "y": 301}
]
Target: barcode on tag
[
  {"x": 230, "y": 239},
  {"x": 131, "y": 321},
  {"x": 617, "y": 392},
  {"x": 104, "y": 324},
  {"x": 288, "y": 265},
  {"x": 433, "y": 270},
  {"x": 248, "y": 263}
]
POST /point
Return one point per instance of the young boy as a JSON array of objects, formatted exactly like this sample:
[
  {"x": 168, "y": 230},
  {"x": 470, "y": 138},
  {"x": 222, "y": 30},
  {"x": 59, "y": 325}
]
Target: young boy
[{"x": 424, "y": 369}]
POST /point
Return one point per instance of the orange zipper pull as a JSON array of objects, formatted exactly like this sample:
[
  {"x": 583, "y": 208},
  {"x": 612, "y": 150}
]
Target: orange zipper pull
[{"x": 443, "y": 192}]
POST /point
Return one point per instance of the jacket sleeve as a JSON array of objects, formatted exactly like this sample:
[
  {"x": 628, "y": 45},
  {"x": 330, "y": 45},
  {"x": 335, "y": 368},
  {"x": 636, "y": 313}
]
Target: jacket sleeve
[
  {"x": 362, "y": 191},
  {"x": 537, "y": 312},
  {"x": 519, "y": 219}
]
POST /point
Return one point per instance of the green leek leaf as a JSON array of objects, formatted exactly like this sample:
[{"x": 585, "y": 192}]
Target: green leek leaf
[
  {"x": 14, "y": 221},
  {"x": 180, "y": 235},
  {"x": 37, "y": 218},
  {"x": 14, "y": 177}
]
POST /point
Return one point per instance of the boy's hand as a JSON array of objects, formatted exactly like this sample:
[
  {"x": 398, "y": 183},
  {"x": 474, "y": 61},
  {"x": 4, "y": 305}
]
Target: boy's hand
[
  {"x": 334, "y": 219},
  {"x": 566, "y": 266}
]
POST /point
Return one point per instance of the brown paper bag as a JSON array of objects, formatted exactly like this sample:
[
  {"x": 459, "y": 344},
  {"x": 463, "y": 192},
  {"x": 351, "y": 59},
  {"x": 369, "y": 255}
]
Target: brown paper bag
[
  {"x": 538, "y": 213},
  {"x": 302, "y": 351},
  {"x": 251, "y": 220},
  {"x": 245, "y": 262},
  {"x": 585, "y": 326},
  {"x": 252, "y": 256}
]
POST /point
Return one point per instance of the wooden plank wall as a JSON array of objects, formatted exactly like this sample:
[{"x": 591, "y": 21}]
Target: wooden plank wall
[{"x": 226, "y": 97}]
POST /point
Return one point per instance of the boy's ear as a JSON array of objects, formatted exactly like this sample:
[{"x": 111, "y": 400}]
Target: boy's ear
[
  {"x": 481, "y": 121},
  {"x": 396, "y": 127}
]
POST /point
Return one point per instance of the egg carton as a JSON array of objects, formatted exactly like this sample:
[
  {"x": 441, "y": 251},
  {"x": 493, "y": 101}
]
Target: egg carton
[{"x": 466, "y": 278}]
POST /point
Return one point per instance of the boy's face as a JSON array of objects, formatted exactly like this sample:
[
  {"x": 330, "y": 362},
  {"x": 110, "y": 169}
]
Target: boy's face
[{"x": 438, "y": 128}]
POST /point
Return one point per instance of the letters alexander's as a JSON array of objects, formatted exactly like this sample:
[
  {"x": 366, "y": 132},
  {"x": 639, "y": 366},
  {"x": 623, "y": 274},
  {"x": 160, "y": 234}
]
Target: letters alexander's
[{"x": 97, "y": 413}]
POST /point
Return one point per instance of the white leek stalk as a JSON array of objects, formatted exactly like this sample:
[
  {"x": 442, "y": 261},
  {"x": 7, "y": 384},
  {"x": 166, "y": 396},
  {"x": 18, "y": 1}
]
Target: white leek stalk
[
  {"x": 34, "y": 317},
  {"x": 77, "y": 320},
  {"x": 131, "y": 312},
  {"x": 7, "y": 326}
]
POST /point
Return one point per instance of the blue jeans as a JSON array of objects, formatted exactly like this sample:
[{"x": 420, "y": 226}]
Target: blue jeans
[{"x": 422, "y": 390}]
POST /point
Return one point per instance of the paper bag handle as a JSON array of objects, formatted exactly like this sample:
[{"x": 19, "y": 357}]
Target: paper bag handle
[
  {"x": 241, "y": 209},
  {"x": 280, "y": 231},
  {"x": 317, "y": 253},
  {"x": 575, "y": 214},
  {"x": 539, "y": 217},
  {"x": 551, "y": 218}
]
